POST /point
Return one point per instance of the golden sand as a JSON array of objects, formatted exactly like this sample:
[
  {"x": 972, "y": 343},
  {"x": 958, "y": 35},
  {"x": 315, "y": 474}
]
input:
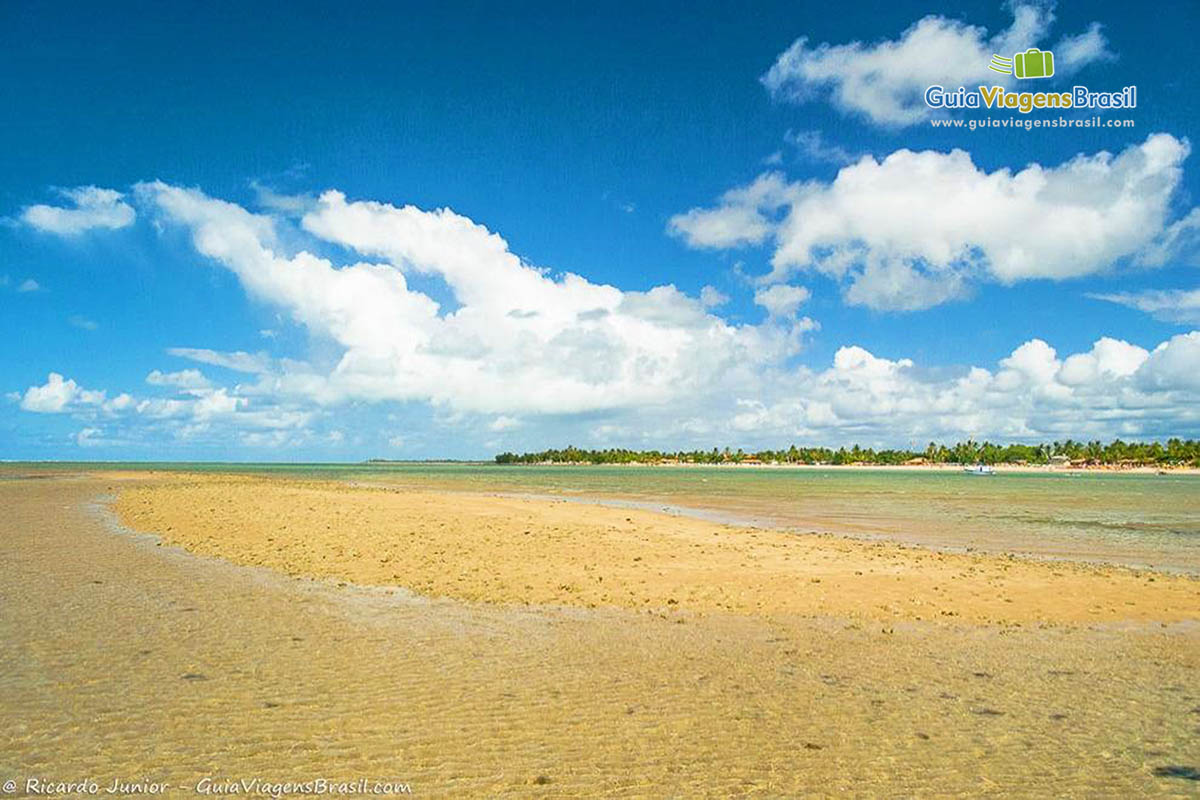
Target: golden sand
[
  {"x": 120, "y": 658},
  {"x": 511, "y": 550}
]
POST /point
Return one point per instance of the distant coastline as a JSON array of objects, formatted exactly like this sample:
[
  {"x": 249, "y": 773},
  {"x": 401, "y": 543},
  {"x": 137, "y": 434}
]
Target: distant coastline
[
  {"x": 1175, "y": 454},
  {"x": 1046, "y": 469}
]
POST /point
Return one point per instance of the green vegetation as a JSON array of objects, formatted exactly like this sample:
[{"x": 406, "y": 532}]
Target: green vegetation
[{"x": 1176, "y": 452}]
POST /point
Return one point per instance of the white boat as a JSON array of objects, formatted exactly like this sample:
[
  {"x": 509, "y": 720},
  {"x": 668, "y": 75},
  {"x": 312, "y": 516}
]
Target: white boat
[{"x": 979, "y": 469}]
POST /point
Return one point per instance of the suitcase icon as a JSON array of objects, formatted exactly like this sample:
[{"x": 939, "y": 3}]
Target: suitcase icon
[{"x": 1033, "y": 63}]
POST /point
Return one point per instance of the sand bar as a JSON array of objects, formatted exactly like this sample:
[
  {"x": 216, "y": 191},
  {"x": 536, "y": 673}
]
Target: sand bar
[
  {"x": 507, "y": 550},
  {"x": 124, "y": 657}
]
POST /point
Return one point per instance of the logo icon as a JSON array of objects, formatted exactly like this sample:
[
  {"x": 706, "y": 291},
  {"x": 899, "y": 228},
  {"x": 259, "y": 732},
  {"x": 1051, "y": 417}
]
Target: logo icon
[{"x": 1033, "y": 63}]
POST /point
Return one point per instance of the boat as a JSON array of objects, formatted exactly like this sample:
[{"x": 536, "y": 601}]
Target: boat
[{"x": 979, "y": 469}]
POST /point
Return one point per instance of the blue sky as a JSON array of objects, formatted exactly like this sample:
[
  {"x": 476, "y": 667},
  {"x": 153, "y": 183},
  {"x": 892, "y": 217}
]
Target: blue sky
[{"x": 167, "y": 168}]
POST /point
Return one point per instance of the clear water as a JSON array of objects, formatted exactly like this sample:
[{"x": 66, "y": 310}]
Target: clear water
[{"x": 1134, "y": 519}]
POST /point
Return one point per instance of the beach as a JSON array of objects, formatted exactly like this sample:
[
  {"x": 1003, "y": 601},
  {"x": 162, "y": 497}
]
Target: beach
[
  {"x": 177, "y": 626},
  {"x": 506, "y": 550}
]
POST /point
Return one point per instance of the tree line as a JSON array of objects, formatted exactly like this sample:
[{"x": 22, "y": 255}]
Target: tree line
[{"x": 1174, "y": 452}]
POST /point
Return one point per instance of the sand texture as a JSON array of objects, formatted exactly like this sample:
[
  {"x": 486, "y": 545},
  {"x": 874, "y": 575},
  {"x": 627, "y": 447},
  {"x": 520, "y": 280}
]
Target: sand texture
[
  {"x": 510, "y": 550},
  {"x": 123, "y": 657}
]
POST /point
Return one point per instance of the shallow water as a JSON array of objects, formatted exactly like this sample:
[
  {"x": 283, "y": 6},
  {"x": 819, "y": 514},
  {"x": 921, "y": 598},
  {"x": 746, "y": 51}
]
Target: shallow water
[
  {"x": 1142, "y": 520},
  {"x": 122, "y": 659},
  {"x": 1135, "y": 519}
]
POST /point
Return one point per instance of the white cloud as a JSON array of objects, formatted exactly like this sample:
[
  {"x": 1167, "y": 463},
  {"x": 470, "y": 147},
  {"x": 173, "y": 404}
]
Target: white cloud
[
  {"x": 1113, "y": 389},
  {"x": 89, "y": 437},
  {"x": 284, "y": 204},
  {"x": 1169, "y": 305},
  {"x": 122, "y": 402},
  {"x": 183, "y": 379},
  {"x": 504, "y": 423},
  {"x": 28, "y": 285},
  {"x": 813, "y": 146},
  {"x": 239, "y": 361},
  {"x": 199, "y": 408},
  {"x": 518, "y": 347},
  {"x": 1075, "y": 52},
  {"x": 82, "y": 322},
  {"x": 744, "y": 216},
  {"x": 1180, "y": 242},
  {"x": 57, "y": 395},
  {"x": 1108, "y": 358},
  {"x": 917, "y": 228},
  {"x": 885, "y": 81},
  {"x": 218, "y": 403},
  {"x": 1174, "y": 365},
  {"x": 781, "y": 300},
  {"x": 712, "y": 297},
  {"x": 519, "y": 340},
  {"x": 92, "y": 208}
]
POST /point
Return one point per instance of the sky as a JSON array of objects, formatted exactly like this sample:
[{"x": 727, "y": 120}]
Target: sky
[{"x": 244, "y": 232}]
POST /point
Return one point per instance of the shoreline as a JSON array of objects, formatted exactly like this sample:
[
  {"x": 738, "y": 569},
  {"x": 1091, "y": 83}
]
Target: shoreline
[
  {"x": 933, "y": 534},
  {"x": 513, "y": 551},
  {"x": 1015, "y": 469},
  {"x": 722, "y": 517},
  {"x": 236, "y": 466}
]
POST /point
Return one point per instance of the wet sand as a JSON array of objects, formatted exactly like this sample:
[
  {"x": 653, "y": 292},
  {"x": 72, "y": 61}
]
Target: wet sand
[
  {"x": 484, "y": 548},
  {"x": 123, "y": 658}
]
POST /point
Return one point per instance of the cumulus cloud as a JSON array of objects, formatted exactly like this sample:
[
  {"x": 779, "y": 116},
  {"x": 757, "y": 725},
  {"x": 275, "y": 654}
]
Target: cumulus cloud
[
  {"x": 781, "y": 300},
  {"x": 918, "y": 228},
  {"x": 515, "y": 346},
  {"x": 884, "y": 81},
  {"x": 122, "y": 402},
  {"x": 193, "y": 408},
  {"x": 519, "y": 339},
  {"x": 1108, "y": 358},
  {"x": 91, "y": 208},
  {"x": 89, "y": 437},
  {"x": 57, "y": 395},
  {"x": 1113, "y": 389},
  {"x": 743, "y": 216},
  {"x": 28, "y": 285},
  {"x": 1174, "y": 365}
]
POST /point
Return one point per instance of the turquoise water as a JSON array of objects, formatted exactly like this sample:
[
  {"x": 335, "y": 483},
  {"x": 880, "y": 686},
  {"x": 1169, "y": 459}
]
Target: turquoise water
[{"x": 1136, "y": 519}]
